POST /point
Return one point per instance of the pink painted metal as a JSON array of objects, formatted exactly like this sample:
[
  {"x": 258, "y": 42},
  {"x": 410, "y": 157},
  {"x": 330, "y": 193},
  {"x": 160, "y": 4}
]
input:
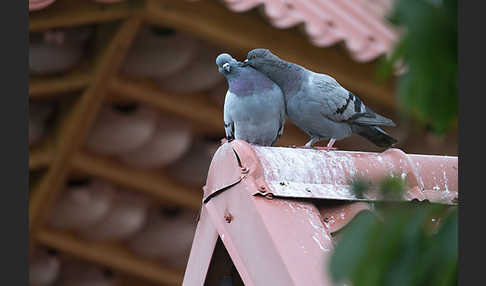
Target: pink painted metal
[
  {"x": 361, "y": 25},
  {"x": 300, "y": 173},
  {"x": 202, "y": 250},
  {"x": 254, "y": 200},
  {"x": 337, "y": 217}
]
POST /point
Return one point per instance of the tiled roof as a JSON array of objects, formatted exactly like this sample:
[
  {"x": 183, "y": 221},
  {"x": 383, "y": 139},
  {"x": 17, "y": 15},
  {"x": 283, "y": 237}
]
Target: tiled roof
[
  {"x": 359, "y": 24},
  {"x": 39, "y": 4}
]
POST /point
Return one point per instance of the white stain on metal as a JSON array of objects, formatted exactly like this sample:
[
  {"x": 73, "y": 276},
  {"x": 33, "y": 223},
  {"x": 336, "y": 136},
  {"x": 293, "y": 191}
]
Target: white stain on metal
[
  {"x": 305, "y": 166},
  {"x": 316, "y": 239},
  {"x": 304, "y": 173},
  {"x": 445, "y": 181},
  {"x": 315, "y": 226}
]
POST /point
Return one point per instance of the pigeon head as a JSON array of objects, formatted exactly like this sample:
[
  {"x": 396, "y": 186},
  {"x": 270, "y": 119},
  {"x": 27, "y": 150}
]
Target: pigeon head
[
  {"x": 257, "y": 58},
  {"x": 225, "y": 62}
]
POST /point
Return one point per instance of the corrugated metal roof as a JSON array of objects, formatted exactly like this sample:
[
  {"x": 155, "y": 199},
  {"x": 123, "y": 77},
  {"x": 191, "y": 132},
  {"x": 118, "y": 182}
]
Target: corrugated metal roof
[{"x": 361, "y": 25}]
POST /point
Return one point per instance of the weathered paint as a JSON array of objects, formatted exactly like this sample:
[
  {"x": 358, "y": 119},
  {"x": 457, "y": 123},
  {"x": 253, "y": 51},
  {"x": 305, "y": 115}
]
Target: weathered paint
[
  {"x": 300, "y": 173},
  {"x": 282, "y": 239}
]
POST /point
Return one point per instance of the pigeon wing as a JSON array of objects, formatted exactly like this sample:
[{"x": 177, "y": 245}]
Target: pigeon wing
[{"x": 341, "y": 105}]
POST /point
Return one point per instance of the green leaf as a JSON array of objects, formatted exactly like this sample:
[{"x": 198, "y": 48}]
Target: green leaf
[
  {"x": 352, "y": 246},
  {"x": 400, "y": 249},
  {"x": 429, "y": 89}
]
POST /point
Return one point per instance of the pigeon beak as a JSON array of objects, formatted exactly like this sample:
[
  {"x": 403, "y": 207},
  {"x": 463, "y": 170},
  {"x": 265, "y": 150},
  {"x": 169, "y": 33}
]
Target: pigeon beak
[
  {"x": 245, "y": 61},
  {"x": 226, "y": 67}
]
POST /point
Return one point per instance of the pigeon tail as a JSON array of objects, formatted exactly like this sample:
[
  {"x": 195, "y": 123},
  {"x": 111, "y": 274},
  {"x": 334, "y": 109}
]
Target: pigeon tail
[{"x": 375, "y": 134}]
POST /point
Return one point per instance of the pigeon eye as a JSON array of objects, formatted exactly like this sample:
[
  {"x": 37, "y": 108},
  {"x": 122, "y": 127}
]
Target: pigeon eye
[{"x": 226, "y": 67}]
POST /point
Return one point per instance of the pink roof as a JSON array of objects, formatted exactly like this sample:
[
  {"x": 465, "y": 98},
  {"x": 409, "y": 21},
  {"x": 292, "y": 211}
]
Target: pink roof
[
  {"x": 256, "y": 199},
  {"x": 359, "y": 24},
  {"x": 39, "y": 4}
]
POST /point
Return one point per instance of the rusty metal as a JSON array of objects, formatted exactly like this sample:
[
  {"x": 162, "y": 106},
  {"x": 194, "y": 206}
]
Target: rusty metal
[
  {"x": 228, "y": 217},
  {"x": 262, "y": 189}
]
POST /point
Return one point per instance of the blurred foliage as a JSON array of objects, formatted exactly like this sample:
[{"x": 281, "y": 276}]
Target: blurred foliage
[
  {"x": 412, "y": 243},
  {"x": 428, "y": 49},
  {"x": 392, "y": 188},
  {"x": 359, "y": 185},
  {"x": 409, "y": 243}
]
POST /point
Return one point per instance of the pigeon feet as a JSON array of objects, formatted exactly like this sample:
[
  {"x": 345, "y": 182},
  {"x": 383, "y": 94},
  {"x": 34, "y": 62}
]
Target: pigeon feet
[{"x": 329, "y": 146}]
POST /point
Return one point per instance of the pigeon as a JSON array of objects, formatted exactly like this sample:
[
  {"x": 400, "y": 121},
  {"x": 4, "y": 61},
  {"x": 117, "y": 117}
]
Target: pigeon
[
  {"x": 254, "y": 107},
  {"x": 319, "y": 105}
]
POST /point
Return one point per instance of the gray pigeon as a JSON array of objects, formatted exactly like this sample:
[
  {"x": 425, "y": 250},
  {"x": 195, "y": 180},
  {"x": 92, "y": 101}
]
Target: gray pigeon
[
  {"x": 319, "y": 105},
  {"x": 254, "y": 107}
]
